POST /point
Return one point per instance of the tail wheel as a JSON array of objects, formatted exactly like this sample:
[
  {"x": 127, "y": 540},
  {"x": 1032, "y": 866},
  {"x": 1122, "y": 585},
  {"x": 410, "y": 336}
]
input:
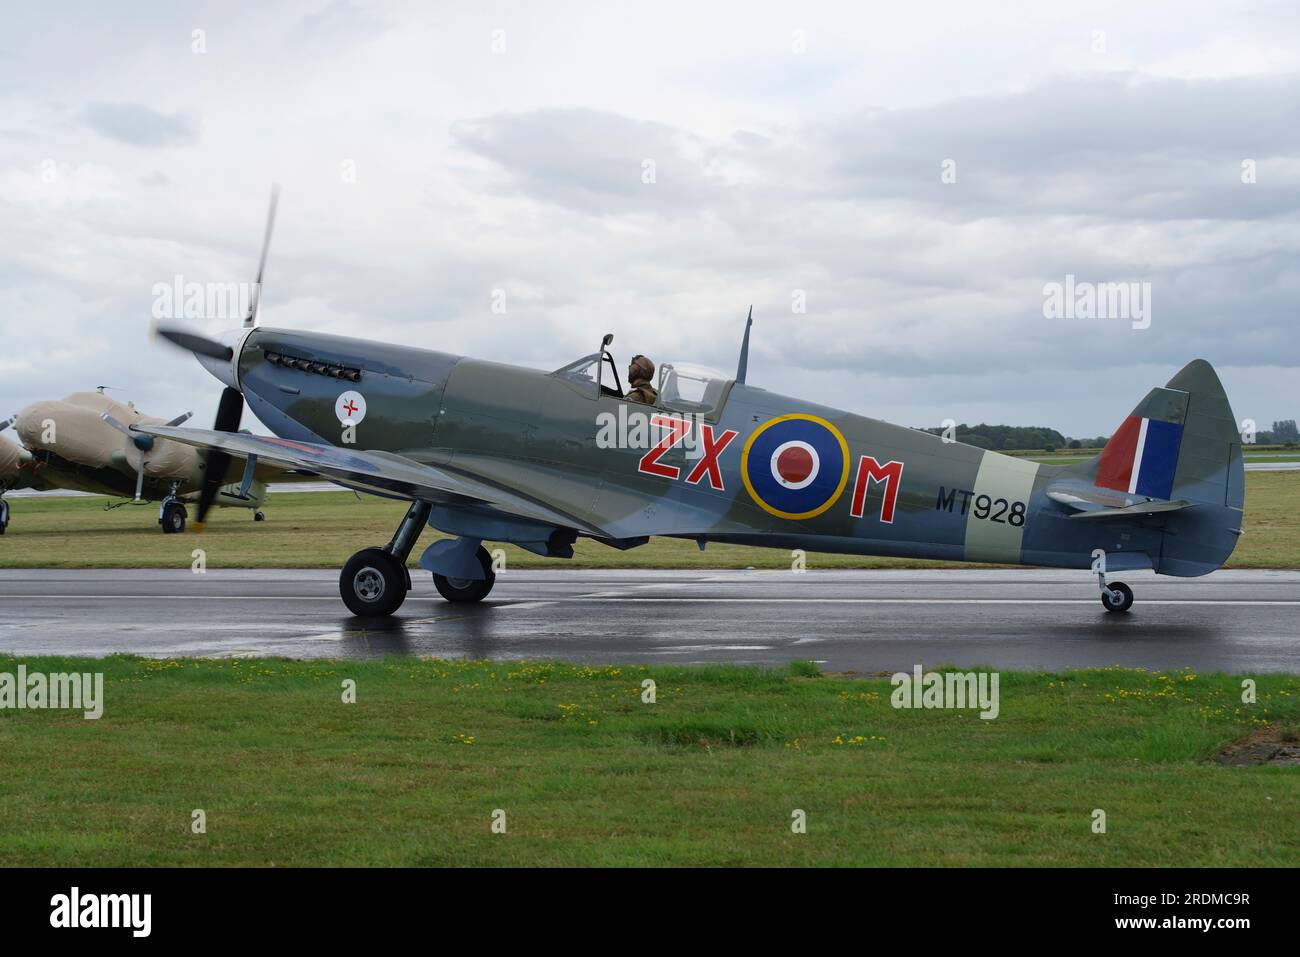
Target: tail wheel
[
  {"x": 1117, "y": 597},
  {"x": 173, "y": 518},
  {"x": 468, "y": 589},
  {"x": 373, "y": 583}
]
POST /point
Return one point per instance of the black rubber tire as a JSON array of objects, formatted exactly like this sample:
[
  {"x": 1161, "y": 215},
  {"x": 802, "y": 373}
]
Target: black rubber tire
[
  {"x": 259, "y": 516},
  {"x": 462, "y": 590},
  {"x": 173, "y": 518},
  {"x": 373, "y": 583},
  {"x": 1124, "y": 601}
]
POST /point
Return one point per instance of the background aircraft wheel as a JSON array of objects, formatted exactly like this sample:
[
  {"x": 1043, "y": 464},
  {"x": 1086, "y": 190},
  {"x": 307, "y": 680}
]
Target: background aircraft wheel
[
  {"x": 465, "y": 589},
  {"x": 259, "y": 516},
  {"x": 173, "y": 518},
  {"x": 373, "y": 583},
  {"x": 1117, "y": 597}
]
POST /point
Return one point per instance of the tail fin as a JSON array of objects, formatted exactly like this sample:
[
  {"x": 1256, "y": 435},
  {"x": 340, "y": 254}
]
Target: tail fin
[{"x": 1181, "y": 444}]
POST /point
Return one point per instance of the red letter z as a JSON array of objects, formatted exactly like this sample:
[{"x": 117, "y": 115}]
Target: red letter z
[
  {"x": 708, "y": 463},
  {"x": 891, "y": 473},
  {"x": 678, "y": 428}
]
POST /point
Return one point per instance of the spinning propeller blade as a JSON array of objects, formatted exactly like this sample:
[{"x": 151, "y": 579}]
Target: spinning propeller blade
[
  {"x": 251, "y": 319},
  {"x": 193, "y": 342},
  {"x": 229, "y": 414}
]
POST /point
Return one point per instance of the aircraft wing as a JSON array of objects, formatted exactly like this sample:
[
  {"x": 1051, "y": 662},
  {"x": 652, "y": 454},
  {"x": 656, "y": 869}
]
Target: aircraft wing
[{"x": 377, "y": 471}]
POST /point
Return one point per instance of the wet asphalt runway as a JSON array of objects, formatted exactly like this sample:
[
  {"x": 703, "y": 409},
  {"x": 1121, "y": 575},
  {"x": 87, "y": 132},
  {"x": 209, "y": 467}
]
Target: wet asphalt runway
[{"x": 865, "y": 621}]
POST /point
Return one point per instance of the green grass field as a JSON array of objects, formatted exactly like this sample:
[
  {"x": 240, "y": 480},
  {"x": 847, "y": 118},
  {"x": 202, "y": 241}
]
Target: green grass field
[
  {"x": 321, "y": 529},
  {"x": 588, "y": 774}
]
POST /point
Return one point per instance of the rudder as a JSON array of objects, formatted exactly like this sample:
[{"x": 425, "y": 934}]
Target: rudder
[{"x": 1181, "y": 444}]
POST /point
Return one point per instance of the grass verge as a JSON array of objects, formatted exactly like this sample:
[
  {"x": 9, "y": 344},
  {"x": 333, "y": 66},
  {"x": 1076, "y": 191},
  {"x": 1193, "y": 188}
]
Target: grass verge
[{"x": 588, "y": 774}]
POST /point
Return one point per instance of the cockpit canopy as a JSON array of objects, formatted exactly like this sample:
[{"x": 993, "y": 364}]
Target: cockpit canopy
[
  {"x": 686, "y": 387},
  {"x": 683, "y": 386}
]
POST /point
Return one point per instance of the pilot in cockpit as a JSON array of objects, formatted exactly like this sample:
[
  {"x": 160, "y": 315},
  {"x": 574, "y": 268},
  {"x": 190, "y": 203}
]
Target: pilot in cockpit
[{"x": 639, "y": 373}]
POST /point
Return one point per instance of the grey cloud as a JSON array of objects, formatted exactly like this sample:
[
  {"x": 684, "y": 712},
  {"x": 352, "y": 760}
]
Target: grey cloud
[
  {"x": 593, "y": 161},
  {"x": 138, "y": 125},
  {"x": 1116, "y": 146},
  {"x": 1108, "y": 180}
]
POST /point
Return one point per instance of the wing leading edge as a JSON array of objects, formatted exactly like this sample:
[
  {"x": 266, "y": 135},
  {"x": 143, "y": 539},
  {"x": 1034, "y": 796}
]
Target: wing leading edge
[{"x": 381, "y": 471}]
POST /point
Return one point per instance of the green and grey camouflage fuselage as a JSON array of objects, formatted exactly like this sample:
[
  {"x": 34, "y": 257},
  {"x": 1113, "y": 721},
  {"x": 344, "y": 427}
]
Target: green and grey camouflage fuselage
[{"x": 504, "y": 453}]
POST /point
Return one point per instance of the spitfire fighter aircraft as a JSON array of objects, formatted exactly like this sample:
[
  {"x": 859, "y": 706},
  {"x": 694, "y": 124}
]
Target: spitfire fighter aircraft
[
  {"x": 492, "y": 452},
  {"x": 83, "y": 442}
]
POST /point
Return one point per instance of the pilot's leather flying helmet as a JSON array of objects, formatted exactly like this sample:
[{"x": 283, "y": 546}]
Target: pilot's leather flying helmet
[{"x": 642, "y": 369}]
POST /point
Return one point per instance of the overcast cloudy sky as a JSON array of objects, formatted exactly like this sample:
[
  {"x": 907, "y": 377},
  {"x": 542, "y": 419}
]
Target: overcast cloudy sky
[{"x": 431, "y": 154}]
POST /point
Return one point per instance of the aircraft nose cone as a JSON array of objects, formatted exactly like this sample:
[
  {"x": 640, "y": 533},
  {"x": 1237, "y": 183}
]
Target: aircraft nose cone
[
  {"x": 27, "y": 423},
  {"x": 226, "y": 371}
]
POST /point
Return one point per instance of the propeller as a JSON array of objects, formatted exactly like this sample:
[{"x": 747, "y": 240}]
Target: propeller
[
  {"x": 255, "y": 300},
  {"x": 5, "y": 423},
  {"x": 231, "y": 408},
  {"x": 193, "y": 342},
  {"x": 201, "y": 345},
  {"x": 143, "y": 444},
  {"x": 229, "y": 413}
]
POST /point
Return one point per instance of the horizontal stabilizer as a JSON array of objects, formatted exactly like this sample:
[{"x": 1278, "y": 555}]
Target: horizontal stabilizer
[
  {"x": 1088, "y": 501},
  {"x": 1134, "y": 511}
]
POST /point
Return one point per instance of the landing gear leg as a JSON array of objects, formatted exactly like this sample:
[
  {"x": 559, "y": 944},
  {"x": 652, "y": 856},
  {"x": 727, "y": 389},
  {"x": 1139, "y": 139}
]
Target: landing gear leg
[
  {"x": 374, "y": 582},
  {"x": 1116, "y": 596},
  {"x": 4, "y": 513}
]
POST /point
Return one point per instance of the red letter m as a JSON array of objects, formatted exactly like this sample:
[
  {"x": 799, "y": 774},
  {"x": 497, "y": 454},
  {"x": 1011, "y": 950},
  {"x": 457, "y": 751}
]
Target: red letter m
[{"x": 891, "y": 473}]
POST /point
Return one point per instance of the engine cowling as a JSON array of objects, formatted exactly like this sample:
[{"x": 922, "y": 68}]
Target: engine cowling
[{"x": 12, "y": 458}]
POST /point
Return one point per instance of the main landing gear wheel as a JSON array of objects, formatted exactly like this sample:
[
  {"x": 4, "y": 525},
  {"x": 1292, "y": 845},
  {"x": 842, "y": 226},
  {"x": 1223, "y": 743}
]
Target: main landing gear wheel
[
  {"x": 1117, "y": 597},
  {"x": 173, "y": 518},
  {"x": 467, "y": 589},
  {"x": 259, "y": 516},
  {"x": 373, "y": 583}
]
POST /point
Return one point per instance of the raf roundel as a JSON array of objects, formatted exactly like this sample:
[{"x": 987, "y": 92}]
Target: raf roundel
[
  {"x": 350, "y": 407},
  {"x": 795, "y": 466}
]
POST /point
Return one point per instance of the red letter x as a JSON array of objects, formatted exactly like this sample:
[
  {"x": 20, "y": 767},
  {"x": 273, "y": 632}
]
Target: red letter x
[{"x": 708, "y": 463}]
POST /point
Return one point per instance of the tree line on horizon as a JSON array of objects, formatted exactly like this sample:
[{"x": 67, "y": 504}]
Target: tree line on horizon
[{"x": 1013, "y": 438}]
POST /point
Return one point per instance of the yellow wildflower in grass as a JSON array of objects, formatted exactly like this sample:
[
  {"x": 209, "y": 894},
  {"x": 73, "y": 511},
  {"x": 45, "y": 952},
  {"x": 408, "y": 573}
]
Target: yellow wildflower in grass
[{"x": 857, "y": 740}]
